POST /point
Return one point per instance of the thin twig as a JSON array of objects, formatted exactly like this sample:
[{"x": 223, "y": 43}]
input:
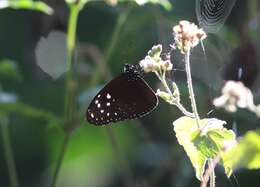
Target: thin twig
[
  {"x": 178, "y": 104},
  {"x": 209, "y": 171},
  {"x": 60, "y": 160},
  {"x": 127, "y": 174}
]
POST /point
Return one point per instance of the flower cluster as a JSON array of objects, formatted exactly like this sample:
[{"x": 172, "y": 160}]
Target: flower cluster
[
  {"x": 234, "y": 94},
  {"x": 187, "y": 35},
  {"x": 153, "y": 61}
]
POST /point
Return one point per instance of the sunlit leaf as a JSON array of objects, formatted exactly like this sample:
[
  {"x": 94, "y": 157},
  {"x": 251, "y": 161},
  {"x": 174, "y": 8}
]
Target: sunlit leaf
[
  {"x": 26, "y": 4},
  {"x": 246, "y": 154},
  {"x": 204, "y": 143}
]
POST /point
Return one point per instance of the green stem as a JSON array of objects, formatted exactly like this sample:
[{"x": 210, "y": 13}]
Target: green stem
[
  {"x": 190, "y": 87},
  {"x": 112, "y": 43},
  {"x": 69, "y": 93},
  {"x": 71, "y": 38},
  {"x": 126, "y": 172},
  {"x": 60, "y": 160},
  {"x": 120, "y": 22},
  {"x": 9, "y": 154},
  {"x": 178, "y": 104}
]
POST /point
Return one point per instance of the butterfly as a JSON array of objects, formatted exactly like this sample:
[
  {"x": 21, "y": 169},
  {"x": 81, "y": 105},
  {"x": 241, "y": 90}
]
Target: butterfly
[{"x": 125, "y": 97}]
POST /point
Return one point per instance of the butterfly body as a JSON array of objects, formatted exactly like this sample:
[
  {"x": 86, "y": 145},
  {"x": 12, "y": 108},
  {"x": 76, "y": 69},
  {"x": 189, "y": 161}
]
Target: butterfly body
[{"x": 126, "y": 97}]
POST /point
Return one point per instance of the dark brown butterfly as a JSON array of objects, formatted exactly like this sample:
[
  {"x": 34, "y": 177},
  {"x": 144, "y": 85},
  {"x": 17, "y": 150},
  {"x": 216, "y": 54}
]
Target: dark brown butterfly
[{"x": 125, "y": 97}]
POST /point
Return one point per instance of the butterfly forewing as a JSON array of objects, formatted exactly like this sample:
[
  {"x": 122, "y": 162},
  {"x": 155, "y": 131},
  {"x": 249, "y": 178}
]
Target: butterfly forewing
[{"x": 121, "y": 99}]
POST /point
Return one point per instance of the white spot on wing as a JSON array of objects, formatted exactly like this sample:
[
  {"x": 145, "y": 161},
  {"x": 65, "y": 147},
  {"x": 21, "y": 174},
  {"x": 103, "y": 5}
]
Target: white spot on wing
[
  {"x": 99, "y": 105},
  {"x": 92, "y": 115},
  {"x": 108, "y": 96},
  {"x": 108, "y": 114},
  {"x": 96, "y": 101},
  {"x": 102, "y": 111},
  {"x": 99, "y": 96},
  {"x": 108, "y": 104}
]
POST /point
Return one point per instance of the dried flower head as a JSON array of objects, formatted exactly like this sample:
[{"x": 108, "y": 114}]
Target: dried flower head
[
  {"x": 153, "y": 61},
  {"x": 187, "y": 35},
  {"x": 234, "y": 94}
]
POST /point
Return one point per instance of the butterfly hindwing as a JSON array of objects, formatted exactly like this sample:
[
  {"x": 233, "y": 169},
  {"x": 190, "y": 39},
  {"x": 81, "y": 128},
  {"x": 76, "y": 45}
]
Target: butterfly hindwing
[{"x": 121, "y": 99}]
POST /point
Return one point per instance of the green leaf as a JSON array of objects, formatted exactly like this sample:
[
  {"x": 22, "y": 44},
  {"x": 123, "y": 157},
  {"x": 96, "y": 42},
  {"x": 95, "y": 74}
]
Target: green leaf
[
  {"x": 204, "y": 143},
  {"x": 26, "y": 4},
  {"x": 8, "y": 69},
  {"x": 246, "y": 154}
]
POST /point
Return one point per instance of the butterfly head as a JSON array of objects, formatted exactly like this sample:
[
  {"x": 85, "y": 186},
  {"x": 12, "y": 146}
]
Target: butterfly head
[{"x": 132, "y": 72}]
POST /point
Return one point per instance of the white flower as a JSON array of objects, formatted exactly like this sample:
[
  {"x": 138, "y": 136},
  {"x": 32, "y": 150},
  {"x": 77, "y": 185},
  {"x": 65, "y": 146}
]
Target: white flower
[
  {"x": 149, "y": 64},
  {"x": 234, "y": 94},
  {"x": 153, "y": 61},
  {"x": 166, "y": 65},
  {"x": 187, "y": 35}
]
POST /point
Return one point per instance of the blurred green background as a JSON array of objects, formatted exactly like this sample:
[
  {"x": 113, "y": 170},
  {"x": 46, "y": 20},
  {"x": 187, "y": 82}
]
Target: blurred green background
[{"x": 134, "y": 153}]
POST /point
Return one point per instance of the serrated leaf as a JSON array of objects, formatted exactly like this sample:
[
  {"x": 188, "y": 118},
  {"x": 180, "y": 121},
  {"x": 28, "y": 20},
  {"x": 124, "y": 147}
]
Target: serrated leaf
[
  {"x": 26, "y": 4},
  {"x": 202, "y": 143},
  {"x": 246, "y": 154}
]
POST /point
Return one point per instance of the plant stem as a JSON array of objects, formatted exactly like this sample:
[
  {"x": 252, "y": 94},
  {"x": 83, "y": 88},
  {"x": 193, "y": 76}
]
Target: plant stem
[
  {"x": 71, "y": 38},
  {"x": 115, "y": 36},
  {"x": 60, "y": 160},
  {"x": 178, "y": 104},
  {"x": 127, "y": 174},
  {"x": 9, "y": 153},
  {"x": 69, "y": 93},
  {"x": 190, "y": 87},
  {"x": 212, "y": 174}
]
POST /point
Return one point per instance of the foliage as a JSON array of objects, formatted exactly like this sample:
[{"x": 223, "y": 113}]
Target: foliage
[
  {"x": 205, "y": 144},
  {"x": 26, "y": 4},
  {"x": 246, "y": 154},
  {"x": 8, "y": 69}
]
